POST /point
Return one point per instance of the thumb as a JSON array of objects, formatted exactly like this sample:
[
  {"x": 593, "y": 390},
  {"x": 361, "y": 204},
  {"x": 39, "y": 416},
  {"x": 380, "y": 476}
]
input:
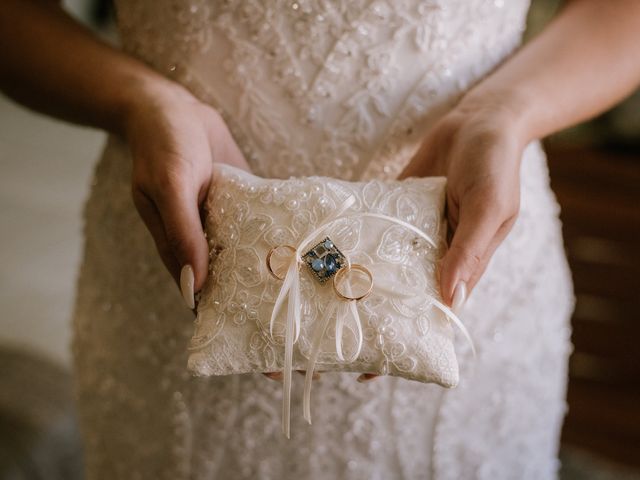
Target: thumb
[
  {"x": 180, "y": 214},
  {"x": 471, "y": 247},
  {"x": 424, "y": 162}
]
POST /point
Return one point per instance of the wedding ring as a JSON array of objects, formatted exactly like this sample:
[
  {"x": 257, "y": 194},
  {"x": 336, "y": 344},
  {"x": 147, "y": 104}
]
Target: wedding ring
[
  {"x": 271, "y": 252},
  {"x": 343, "y": 271}
]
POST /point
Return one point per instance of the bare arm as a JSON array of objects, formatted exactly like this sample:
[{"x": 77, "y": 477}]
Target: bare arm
[
  {"x": 54, "y": 65},
  {"x": 586, "y": 60}
]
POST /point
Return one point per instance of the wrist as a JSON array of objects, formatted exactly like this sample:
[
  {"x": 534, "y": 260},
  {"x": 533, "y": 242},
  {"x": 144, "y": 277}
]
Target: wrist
[
  {"x": 142, "y": 93},
  {"x": 506, "y": 108}
]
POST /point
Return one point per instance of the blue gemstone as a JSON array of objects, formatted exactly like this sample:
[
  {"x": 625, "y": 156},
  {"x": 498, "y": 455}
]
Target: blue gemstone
[
  {"x": 317, "y": 264},
  {"x": 330, "y": 263},
  {"x": 328, "y": 244}
]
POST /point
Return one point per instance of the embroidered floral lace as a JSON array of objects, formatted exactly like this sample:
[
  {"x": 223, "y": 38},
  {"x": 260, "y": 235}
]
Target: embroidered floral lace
[{"x": 342, "y": 88}]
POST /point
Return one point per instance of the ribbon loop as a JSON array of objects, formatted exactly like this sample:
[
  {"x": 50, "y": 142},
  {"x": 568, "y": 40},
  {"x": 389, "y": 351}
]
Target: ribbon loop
[{"x": 344, "y": 311}]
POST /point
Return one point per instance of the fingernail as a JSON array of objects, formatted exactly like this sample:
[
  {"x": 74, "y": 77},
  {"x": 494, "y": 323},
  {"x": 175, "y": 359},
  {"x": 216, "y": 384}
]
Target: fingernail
[
  {"x": 366, "y": 377},
  {"x": 459, "y": 296},
  {"x": 314, "y": 376},
  {"x": 276, "y": 376},
  {"x": 187, "y": 281}
]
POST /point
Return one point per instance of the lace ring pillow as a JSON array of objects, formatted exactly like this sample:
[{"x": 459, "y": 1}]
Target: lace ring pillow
[{"x": 316, "y": 272}]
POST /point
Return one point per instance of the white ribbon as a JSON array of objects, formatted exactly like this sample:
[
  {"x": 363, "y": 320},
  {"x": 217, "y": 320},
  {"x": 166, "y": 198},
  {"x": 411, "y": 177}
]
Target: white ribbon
[{"x": 291, "y": 289}]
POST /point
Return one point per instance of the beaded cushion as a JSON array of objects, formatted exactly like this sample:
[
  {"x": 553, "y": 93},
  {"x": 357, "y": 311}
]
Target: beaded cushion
[{"x": 395, "y": 230}]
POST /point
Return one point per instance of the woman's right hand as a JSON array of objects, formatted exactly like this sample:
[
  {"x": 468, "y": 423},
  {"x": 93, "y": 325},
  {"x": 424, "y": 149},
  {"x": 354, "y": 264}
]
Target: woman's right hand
[
  {"x": 173, "y": 137},
  {"x": 174, "y": 140}
]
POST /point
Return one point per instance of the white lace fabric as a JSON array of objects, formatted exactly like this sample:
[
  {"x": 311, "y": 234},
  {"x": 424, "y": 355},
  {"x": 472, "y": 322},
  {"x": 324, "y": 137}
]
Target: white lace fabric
[
  {"x": 340, "y": 88},
  {"x": 405, "y": 334},
  {"x": 395, "y": 229}
]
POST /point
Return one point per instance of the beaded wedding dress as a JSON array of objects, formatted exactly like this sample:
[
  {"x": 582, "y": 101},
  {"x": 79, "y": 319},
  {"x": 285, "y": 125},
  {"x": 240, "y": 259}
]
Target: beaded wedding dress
[{"x": 343, "y": 88}]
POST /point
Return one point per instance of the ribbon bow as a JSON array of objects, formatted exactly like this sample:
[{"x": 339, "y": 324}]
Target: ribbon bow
[{"x": 291, "y": 290}]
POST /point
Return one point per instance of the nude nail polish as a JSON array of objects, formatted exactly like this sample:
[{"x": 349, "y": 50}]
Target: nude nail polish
[
  {"x": 187, "y": 280},
  {"x": 459, "y": 296},
  {"x": 275, "y": 376}
]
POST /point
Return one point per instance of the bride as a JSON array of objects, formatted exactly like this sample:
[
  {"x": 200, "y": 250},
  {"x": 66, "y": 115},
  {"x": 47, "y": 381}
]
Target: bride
[{"x": 353, "y": 89}]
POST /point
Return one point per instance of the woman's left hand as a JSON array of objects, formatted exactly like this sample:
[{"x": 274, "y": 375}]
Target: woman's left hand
[{"x": 478, "y": 147}]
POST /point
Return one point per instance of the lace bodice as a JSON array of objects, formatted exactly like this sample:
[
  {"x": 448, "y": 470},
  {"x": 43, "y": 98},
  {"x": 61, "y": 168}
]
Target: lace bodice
[{"x": 339, "y": 88}]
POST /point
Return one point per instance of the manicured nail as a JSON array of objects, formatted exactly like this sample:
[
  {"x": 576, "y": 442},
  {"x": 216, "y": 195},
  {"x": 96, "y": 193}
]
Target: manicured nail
[
  {"x": 187, "y": 281},
  {"x": 315, "y": 376},
  {"x": 366, "y": 377},
  {"x": 459, "y": 296},
  {"x": 276, "y": 376}
]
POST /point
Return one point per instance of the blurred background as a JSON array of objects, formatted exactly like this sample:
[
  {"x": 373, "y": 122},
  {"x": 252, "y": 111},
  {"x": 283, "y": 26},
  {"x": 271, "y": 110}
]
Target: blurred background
[{"x": 46, "y": 169}]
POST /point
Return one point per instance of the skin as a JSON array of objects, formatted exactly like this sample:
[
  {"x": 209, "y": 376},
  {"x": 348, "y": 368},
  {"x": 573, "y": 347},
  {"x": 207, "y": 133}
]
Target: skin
[{"x": 584, "y": 62}]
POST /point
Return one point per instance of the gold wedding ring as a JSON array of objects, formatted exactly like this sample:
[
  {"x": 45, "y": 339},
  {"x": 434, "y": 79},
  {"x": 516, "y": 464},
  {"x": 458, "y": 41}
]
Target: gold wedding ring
[
  {"x": 271, "y": 252},
  {"x": 347, "y": 268}
]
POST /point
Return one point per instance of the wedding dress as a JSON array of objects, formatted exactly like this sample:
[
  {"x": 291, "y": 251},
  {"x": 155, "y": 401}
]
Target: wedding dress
[{"x": 344, "y": 88}]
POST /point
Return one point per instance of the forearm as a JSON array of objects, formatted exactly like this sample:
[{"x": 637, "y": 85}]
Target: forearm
[
  {"x": 583, "y": 63},
  {"x": 54, "y": 65}
]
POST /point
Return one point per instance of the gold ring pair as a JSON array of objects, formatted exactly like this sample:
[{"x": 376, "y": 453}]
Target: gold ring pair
[{"x": 337, "y": 278}]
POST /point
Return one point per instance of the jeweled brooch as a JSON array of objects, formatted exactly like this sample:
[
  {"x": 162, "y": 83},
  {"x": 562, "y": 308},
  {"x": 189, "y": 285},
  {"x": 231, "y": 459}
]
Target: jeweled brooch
[{"x": 324, "y": 260}]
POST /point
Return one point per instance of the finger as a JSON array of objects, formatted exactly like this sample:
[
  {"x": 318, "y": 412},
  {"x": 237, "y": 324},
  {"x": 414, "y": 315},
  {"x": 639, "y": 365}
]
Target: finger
[
  {"x": 422, "y": 163},
  {"x": 223, "y": 146},
  {"x": 499, "y": 237},
  {"x": 178, "y": 205},
  {"x": 151, "y": 218},
  {"x": 367, "y": 377},
  {"x": 276, "y": 376},
  {"x": 315, "y": 376},
  {"x": 475, "y": 232}
]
